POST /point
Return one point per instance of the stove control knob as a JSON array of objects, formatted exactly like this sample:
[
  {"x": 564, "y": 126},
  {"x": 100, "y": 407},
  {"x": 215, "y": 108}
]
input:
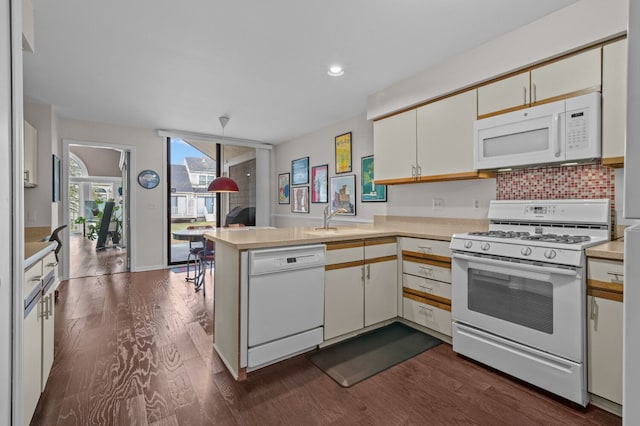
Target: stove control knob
[
  {"x": 485, "y": 246},
  {"x": 550, "y": 254},
  {"x": 468, "y": 244},
  {"x": 526, "y": 251}
]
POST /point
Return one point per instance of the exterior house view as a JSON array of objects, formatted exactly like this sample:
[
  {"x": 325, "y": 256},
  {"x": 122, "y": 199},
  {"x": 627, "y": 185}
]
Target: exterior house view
[{"x": 331, "y": 213}]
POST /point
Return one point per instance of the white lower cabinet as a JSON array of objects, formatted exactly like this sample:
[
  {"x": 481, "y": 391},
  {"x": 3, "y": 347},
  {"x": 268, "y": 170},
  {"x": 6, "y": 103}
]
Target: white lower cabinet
[
  {"x": 427, "y": 315},
  {"x": 38, "y": 332},
  {"x": 426, "y": 282},
  {"x": 343, "y": 301},
  {"x": 360, "y": 285},
  {"x": 31, "y": 361},
  {"x": 605, "y": 286},
  {"x": 605, "y": 348}
]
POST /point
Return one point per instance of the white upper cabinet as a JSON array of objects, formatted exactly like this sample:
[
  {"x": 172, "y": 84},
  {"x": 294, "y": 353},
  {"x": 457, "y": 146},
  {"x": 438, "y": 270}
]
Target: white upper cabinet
[
  {"x": 394, "y": 146},
  {"x": 445, "y": 135},
  {"x": 614, "y": 101},
  {"x": 505, "y": 94},
  {"x": 567, "y": 76},
  {"x": 563, "y": 78}
]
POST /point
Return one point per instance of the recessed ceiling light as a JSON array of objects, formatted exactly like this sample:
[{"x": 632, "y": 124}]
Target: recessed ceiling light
[{"x": 335, "y": 71}]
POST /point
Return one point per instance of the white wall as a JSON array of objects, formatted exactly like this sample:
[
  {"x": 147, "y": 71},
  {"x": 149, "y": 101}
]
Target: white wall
[
  {"x": 575, "y": 26},
  {"x": 39, "y": 210},
  {"x": 148, "y": 226},
  {"x": 319, "y": 147}
]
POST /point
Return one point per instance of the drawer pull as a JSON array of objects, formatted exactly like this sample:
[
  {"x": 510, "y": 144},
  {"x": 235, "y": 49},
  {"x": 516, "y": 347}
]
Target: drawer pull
[
  {"x": 34, "y": 279},
  {"x": 52, "y": 264},
  {"x": 618, "y": 276},
  {"x": 427, "y": 289},
  {"x": 426, "y": 271},
  {"x": 425, "y": 249},
  {"x": 426, "y": 310}
]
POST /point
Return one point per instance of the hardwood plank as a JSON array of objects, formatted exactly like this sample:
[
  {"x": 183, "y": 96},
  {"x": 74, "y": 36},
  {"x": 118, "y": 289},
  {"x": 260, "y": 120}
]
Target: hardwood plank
[{"x": 136, "y": 348}]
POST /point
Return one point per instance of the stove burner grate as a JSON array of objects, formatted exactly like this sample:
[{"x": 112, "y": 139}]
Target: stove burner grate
[
  {"x": 555, "y": 238},
  {"x": 500, "y": 234}
]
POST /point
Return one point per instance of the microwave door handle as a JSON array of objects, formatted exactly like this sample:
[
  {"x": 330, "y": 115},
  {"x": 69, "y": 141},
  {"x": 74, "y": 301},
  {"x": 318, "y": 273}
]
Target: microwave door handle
[{"x": 520, "y": 266}]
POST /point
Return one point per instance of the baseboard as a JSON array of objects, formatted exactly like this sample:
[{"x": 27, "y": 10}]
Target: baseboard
[{"x": 605, "y": 404}]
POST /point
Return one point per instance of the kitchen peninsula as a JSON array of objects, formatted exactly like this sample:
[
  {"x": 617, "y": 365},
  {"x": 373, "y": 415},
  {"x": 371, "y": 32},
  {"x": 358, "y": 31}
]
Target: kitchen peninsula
[{"x": 233, "y": 247}]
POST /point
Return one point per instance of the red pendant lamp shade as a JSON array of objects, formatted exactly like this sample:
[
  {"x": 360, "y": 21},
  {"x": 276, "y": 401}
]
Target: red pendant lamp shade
[{"x": 223, "y": 184}]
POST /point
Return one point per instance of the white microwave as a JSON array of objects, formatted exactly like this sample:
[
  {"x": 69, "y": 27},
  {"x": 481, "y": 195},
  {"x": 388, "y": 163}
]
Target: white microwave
[{"x": 562, "y": 131}]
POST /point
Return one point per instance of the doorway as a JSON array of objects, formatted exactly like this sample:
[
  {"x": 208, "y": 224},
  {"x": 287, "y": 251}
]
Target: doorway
[{"x": 97, "y": 209}]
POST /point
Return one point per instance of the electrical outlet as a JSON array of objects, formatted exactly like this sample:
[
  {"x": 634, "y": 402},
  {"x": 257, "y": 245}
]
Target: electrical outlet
[
  {"x": 438, "y": 203},
  {"x": 476, "y": 204}
]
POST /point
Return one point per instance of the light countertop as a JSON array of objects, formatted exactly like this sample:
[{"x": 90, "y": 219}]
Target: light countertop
[
  {"x": 33, "y": 252},
  {"x": 613, "y": 250},
  {"x": 430, "y": 228}
]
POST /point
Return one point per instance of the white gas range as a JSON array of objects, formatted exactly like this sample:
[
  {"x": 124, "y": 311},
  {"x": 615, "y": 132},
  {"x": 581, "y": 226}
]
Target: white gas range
[{"x": 519, "y": 290}]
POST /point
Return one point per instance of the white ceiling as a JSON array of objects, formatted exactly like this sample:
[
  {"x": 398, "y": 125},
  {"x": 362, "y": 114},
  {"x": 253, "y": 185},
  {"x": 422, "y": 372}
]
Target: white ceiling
[{"x": 181, "y": 64}]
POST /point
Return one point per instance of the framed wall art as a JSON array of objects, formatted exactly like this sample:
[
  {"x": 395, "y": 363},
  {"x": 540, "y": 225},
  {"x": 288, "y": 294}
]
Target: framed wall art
[
  {"x": 283, "y": 188},
  {"x": 300, "y": 171},
  {"x": 371, "y": 191},
  {"x": 300, "y": 199},
  {"x": 343, "y": 193},
  {"x": 343, "y": 153},
  {"x": 320, "y": 184}
]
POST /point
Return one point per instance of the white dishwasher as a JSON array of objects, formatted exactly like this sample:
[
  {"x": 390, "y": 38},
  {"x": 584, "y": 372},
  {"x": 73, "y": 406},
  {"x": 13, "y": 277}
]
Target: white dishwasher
[{"x": 285, "y": 302}]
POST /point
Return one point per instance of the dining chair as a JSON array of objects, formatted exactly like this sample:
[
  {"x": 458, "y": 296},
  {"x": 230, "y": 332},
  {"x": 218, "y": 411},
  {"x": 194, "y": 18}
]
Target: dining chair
[
  {"x": 206, "y": 256},
  {"x": 194, "y": 248}
]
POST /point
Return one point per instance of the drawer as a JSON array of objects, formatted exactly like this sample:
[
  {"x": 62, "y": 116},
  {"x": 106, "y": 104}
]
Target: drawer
[
  {"x": 428, "y": 247},
  {"x": 380, "y": 250},
  {"x": 428, "y": 269},
  {"x": 427, "y": 315},
  {"x": 425, "y": 285},
  {"x": 605, "y": 270},
  {"x": 344, "y": 252},
  {"x": 32, "y": 277},
  {"x": 49, "y": 263}
]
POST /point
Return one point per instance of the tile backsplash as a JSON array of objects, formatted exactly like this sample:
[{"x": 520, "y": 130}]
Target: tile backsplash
[{"x": 562, "y": 182}]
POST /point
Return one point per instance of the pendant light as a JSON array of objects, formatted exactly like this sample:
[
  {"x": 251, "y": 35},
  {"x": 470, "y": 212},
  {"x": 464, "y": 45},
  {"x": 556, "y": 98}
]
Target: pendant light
[{"x": 223, "y": 183}]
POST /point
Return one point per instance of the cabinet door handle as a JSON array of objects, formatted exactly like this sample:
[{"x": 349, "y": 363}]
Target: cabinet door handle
[
  {"x": 413, "y": 172},
  {"x": 362, "y": 276},
  {"x": 44, "y": 311},
  {"x": 34, "y": 279},
  {"x": 419, "y": 172},
  {"x": 535, "y": 93},
  {"x": 26, "y": 175},
  {"x": 368, "y": 271},
  {"x": 524, "y": 99},
  {"x": 594, "y": 310},
  {"x": 53, "y": 264}
]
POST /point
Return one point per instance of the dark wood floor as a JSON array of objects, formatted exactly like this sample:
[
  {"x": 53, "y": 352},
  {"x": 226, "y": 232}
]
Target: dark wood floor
[
  {"x": 86, "y": 261},
  {"x": 136, "y": 349}
]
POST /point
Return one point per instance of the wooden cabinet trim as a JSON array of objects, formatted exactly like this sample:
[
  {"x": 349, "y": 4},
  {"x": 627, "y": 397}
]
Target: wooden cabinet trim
[
  {"x": 439, "y": 178},
  {"x": 435, "y": 303},
  {"x": 615, "y": 162},
  {"x": 380, "y": 259},
  {"x": 428, "y": 296},
  {"x": 603, "y": 294},
  {"x": 381, "y": 240},
  {"x": 605, "y": 285},
  {"x": 344, "y": 265},
  {"x": 429, "y": 259},
  {"x": 345, "y": 245}
]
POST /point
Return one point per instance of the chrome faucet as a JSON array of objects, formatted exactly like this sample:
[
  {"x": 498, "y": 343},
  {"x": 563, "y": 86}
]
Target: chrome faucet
[{"x": 326, "y": 217}]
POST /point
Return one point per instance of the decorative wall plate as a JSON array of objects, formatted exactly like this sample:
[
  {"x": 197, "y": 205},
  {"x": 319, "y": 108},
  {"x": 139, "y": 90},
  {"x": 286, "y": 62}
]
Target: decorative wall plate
[{"x": 148, "y": 179}]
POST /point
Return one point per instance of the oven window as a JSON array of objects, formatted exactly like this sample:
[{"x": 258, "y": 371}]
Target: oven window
[{"x": 523, "y": 301}]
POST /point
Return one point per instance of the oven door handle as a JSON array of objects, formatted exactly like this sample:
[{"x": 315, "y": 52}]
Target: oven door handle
[{"x": 520, "y": 266}]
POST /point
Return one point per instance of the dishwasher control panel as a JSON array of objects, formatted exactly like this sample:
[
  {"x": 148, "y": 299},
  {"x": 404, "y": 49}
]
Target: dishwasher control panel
[{"x": 285, "y": 258}]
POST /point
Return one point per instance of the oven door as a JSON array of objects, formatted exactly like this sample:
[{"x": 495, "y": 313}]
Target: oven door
[{"x": 542, "y": 306}]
